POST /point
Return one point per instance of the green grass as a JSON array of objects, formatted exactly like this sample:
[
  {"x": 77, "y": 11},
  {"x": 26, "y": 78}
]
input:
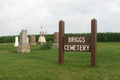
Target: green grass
[{"x": 43, "y": 64}]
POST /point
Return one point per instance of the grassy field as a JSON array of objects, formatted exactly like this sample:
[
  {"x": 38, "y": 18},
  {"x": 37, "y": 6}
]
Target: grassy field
[{"x": 43, "y": 64}]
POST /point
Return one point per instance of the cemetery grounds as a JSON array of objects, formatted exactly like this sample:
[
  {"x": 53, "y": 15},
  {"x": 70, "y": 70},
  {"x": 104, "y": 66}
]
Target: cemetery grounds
[{"x": 43, "y": 64}]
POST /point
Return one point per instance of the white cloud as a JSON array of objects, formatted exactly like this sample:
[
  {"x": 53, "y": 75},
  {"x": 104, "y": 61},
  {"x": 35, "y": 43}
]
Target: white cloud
[{"x": 16, "y": 15}]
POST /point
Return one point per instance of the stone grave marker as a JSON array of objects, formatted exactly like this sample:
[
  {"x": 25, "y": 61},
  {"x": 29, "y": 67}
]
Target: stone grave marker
[
  {"x": 27, "y": 39},
  {"x": 16, "y": 41},
  {"x": 32, "y": 40},
  {"x": 56, "y": 40},
  {"x": 23, "y": 45},
  {"x": 41, "y": 39}
]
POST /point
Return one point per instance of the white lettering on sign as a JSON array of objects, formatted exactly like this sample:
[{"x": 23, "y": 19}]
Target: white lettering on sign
[
  {"x": 88, "y": 48},
  {"x": 76, "y": 39},
  {"x": 70, "y": 47},
  {"x": 76, "y": 47}
]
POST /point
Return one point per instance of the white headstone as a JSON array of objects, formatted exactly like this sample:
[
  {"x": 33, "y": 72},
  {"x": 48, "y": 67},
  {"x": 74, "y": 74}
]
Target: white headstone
[
  {"x": 41, "y": 38},
  {"x": 27, "y": 40},
  {"x": 16, "y": 41},
  {"x": 42, "y": 32}
]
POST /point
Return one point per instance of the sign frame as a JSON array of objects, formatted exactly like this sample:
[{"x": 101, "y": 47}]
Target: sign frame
[{"x": 75, "y": 40}]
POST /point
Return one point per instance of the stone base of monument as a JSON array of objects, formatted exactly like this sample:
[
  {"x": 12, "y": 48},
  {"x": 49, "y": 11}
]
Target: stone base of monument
[
  {"x": 33, "y": 44},
  {"x": 41, "y": 43},
  {"x": 55, "y": 45},
  {"x": 23, "y": 49}
]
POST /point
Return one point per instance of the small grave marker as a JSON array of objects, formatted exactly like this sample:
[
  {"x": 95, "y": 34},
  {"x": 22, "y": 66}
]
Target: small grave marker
[
  {"x": 56, "y": 40},
  {"x": 16, "y": 41},
  {"x": 33, "y": 40}
]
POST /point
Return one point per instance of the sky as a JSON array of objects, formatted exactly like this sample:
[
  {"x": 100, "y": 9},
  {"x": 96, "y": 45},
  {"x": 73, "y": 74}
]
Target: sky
[{"x": 16, "y": 15}]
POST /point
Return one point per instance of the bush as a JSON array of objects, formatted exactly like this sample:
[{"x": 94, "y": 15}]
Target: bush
[{"x": 46, "y": 46}]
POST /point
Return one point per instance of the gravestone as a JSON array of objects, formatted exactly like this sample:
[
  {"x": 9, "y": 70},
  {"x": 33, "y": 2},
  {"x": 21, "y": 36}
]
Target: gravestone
[
  {"x": 4, "y": 43},
  {"x": 32, "y": 40},
  {"x": 23, "y": 45},
  {"x": 27, "y": 39},
  {"x": 16, "y": 41},
  {"x": 56, "y": 40},
  {"x": 41, "y": 39}
]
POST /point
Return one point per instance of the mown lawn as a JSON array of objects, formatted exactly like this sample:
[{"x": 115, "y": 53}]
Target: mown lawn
[{"x": 43, "y": 64}]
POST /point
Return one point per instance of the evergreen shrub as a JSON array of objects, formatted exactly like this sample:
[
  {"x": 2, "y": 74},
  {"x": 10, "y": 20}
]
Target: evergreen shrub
[{"x": 46, "y": 46}]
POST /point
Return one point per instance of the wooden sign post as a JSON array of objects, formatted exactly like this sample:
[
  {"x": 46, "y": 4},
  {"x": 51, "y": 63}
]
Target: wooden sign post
[
  {"x": 78, "y": 43},
  {"x": 61, "y": 42},
  {"x": 93, "y": 42}
]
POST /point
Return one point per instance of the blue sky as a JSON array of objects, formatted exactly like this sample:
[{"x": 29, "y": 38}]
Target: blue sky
[{"x": 16, "y": 15}]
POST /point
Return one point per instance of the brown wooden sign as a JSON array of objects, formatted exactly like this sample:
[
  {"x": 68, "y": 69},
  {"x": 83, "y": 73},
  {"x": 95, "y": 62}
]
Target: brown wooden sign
[{"x": 78, "y": 43}]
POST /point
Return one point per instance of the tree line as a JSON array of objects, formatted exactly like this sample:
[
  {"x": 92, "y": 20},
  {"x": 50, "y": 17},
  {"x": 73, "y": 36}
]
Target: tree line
[{"x": 101, "y": 37}]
